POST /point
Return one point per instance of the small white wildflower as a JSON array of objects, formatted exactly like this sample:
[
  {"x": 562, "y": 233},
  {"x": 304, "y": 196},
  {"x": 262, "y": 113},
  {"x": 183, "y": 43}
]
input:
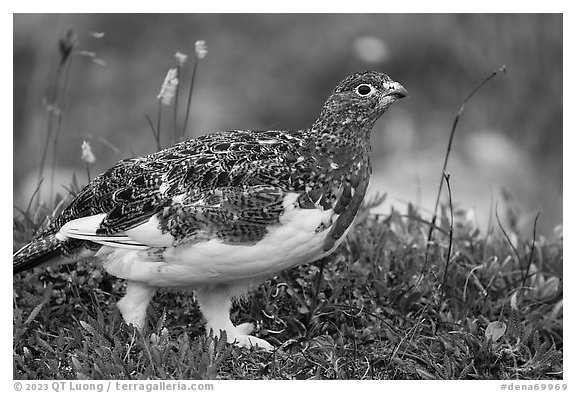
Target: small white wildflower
[
  {"x": 99, "y": 61},
  {"x": 180, "y": 58},
  {"x": 168, "y": 90},
  {"x": 87, "y": 154},
  {"x": 51, "y": 108},
  {"x": 86, "y": 53},
  {"x": 200, "y": 49},
  {"x": 97, "y": 34},
  {"x": 92, "y": 56}
]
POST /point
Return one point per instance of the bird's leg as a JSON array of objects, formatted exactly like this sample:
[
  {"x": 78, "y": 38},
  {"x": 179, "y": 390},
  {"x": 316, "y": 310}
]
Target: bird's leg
[
  {"x": 215, "y": 303},
  {"x": 134, "y": 304}
]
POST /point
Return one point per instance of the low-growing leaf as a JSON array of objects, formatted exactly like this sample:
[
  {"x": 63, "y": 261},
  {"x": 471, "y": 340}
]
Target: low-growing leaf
[{"x": 495, "y": 330}]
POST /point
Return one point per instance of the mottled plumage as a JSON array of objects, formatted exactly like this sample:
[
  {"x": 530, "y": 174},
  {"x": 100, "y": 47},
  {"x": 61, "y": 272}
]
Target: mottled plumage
[{"x": 222, "y": 212}]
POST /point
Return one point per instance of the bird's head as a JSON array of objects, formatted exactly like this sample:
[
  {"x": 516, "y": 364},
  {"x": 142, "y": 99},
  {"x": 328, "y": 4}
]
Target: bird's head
[{"x": 361, "y": 99}]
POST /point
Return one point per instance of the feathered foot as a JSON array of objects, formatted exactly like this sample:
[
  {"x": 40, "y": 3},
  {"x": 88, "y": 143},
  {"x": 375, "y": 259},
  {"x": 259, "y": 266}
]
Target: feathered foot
[
  {"x": 215, "y": 303},
  {"x": 134, "y": 304}
]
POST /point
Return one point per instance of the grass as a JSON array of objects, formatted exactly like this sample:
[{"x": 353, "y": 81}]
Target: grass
[
  {"x": 405, "y": 297},
  {"x": 366, "y": 312}
]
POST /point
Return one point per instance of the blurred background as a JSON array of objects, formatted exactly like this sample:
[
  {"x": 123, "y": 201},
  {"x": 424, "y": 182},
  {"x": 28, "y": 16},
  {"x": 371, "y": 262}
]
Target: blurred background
[{"x": 274, "y": 71}]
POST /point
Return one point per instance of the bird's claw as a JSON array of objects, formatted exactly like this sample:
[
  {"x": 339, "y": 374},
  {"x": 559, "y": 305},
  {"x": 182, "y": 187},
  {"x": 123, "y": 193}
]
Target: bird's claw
[
  {"x": 248, "y": 341},
  {"x": 241, "y": 337}
]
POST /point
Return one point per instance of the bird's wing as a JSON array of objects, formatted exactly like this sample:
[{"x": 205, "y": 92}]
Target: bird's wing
[
  {"x": 235, "y": 215},
  {"x": 194, "y": 189}
]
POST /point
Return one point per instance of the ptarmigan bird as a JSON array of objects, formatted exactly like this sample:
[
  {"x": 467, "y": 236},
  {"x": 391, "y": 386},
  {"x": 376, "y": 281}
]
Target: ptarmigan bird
[{"x": 221, "y": 213}]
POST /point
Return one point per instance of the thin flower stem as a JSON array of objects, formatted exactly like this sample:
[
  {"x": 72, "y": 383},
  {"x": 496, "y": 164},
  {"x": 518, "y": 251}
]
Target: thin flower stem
[
  {"x": 59, "y": 125},
  {"x": 175, "y": 127},
  {"x": 445, "y": 165},
  {"x": 51, "y": 107},
  {"x": 453, "y": 131},
  {"x": 158, "y": 124},
  {"x": 154, "y": 133},
  {"x": 189, "y": 103}
]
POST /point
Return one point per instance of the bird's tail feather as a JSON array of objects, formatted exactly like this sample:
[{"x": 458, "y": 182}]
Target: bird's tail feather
[{"x": 36, "y": 253}]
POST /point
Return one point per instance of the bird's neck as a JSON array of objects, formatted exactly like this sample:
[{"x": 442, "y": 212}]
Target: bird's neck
[
  {"x": 340, "y": 154},
  {"x": 346, "y": 124},
  {"x": 340, "y": 139}
]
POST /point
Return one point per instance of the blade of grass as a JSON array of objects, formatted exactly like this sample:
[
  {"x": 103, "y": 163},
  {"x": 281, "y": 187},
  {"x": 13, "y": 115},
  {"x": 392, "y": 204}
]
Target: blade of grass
[
  {"x": 36, "y": 192},
  {"x": 318, "y": 283},
  {"x": 514, "y": 249},
  {"x": 25, "y": 215},
  {"x": 531, "y": 251},
  {"x": 488, "y": 226},
  {"x": 450, "y": 236}
]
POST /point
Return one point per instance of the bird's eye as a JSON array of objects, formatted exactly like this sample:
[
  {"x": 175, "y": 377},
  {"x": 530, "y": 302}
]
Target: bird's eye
[{"x": 364, "y": 90}]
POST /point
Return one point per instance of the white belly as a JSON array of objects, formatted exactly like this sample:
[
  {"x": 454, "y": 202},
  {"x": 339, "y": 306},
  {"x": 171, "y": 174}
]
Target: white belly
[{"x": 295, "y": 241}]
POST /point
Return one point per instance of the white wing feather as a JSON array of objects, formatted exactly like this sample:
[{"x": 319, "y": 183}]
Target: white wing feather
[{"x": 141, "y": 237}]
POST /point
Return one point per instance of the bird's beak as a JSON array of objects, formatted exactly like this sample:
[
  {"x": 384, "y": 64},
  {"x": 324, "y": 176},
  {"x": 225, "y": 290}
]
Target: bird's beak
[{"x": 397, "y": 90}]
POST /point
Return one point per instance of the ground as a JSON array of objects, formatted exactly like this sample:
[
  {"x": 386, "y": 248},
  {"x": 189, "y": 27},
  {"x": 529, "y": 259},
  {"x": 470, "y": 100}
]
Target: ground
[{"x": 378, "y": 308}]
